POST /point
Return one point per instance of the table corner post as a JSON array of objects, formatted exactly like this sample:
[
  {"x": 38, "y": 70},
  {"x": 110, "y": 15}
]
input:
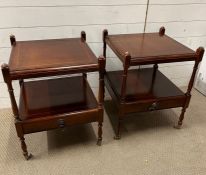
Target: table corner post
[
  {"x": 7, "y": 79},
  {"x": 126, "y": 63},
  {"x": 104, "y": 35},
  {"x": 102, "y": 63},
  {"x": 199, "y": 56}
]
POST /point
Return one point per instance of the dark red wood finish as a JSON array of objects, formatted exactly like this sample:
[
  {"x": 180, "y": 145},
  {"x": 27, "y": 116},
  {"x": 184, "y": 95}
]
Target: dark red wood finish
[
  {"x": 58, "y": 102},
  {"x": 149, "y": 48},
  {"x": 147, "y": 89},
  {"x": 37, "y": 58}
]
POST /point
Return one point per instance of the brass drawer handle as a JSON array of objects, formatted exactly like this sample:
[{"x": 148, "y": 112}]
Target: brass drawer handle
[
  {"x": 153, "y": 106},
  {"x": 61, "y": 123}
]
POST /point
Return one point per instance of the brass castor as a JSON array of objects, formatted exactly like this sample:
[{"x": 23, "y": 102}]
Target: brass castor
[
  {"x": 117, "y": 137},
  {"x": 178, "y": 126},
  {"x": 28, "y": 156},
  {"x": 99, "y": 142}
]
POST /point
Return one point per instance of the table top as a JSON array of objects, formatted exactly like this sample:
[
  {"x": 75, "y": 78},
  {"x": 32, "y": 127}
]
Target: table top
[
  {"x": 149, "y": 48},
  {"x": 51, "y": 57}
]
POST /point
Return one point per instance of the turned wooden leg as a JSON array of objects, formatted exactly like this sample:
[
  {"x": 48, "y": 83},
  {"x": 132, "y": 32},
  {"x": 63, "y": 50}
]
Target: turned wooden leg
[
  {"x": 118, "y": 132},
  {"x": 181, "y": 118},
  {"x": 24, "y": 149},
  {"x": 199, "y": 56},
  {"x": 99, "y": 141}
]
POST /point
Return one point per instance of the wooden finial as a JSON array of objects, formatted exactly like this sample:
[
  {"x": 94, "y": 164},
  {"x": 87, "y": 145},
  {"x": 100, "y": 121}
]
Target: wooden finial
[
  {"x": 200, "y": 52},
  {"x": 127, "y": 54},
  {"x": 12, "y": 40},
  {"x": 4, "y": 66},
  {"x": 104, "y": 34},
  {"x": 161, "y": 31},
  {"x": 127, "y": 58},
  {"x": 83, "y": 36}
]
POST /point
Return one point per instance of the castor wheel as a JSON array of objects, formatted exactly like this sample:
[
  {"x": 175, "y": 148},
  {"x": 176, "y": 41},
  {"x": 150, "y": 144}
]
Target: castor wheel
[
  {"x": 177, "y": 126},
  {"x": 28, "y": 156},
  {"x": 99, "y": 142},
  {"x": 117, "y": 137}
]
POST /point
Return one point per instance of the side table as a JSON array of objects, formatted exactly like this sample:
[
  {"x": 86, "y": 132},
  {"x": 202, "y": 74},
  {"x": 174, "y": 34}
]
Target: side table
[
  {"x": 57, "y": 102},
  {"x": 147, "y": 89}
]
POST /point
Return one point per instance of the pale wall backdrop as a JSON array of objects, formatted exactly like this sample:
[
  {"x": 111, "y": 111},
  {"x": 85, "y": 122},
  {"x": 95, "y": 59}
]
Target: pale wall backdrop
[{"x": 185, "y": 20}]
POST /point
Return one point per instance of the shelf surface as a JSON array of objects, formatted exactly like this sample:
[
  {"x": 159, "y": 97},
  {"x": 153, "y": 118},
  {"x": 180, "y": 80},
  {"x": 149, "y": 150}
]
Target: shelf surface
[
  {"x": 42, "y": 56},
  {"x": 149, "y": 48},
  {"x": 142, "y": 86},
  {"x": 55, "y": 96}
]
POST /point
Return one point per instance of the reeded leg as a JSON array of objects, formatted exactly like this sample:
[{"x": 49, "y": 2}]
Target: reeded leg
[
  {"x": 99, "y": 141},
  {"x": 181, "y": 118},
  {"x": 118, "y": 132},
  {"x": 24, "y": 149}
]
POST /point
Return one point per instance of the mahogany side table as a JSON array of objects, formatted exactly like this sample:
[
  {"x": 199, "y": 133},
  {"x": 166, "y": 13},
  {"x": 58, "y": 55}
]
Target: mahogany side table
[
  {"x": 56, "y": 102},
  {"x": 147, "y": 89}
]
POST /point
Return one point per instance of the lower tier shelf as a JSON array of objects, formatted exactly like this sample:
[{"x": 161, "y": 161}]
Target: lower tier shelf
[
  {"x": 146, "y": 90},
  {"x": 55, "y": 96}
]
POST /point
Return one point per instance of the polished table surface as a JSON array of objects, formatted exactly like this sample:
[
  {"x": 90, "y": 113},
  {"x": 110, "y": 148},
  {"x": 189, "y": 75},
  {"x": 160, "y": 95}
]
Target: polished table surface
[
  {"x": 55, "y": 96},
  {"x": 141, "y": 85},
  {"x": 149, "y": 48},
  {"x": 47, "y": 57}
]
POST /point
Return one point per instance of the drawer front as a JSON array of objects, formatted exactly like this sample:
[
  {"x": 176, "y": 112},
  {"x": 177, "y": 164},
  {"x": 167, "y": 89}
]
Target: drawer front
[
  {"x": 60, "y": 122},
  {"x": 154, "y": 105}
]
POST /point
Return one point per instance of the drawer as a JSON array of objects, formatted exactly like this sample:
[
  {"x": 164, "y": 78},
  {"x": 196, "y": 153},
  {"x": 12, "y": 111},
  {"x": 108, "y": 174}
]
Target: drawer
[
  {"x": 48, "y": 123},
  {"x": 143, "y": 106}
]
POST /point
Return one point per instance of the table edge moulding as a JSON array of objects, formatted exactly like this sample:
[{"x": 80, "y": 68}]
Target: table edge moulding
[{"x": 46, "y": 69}]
